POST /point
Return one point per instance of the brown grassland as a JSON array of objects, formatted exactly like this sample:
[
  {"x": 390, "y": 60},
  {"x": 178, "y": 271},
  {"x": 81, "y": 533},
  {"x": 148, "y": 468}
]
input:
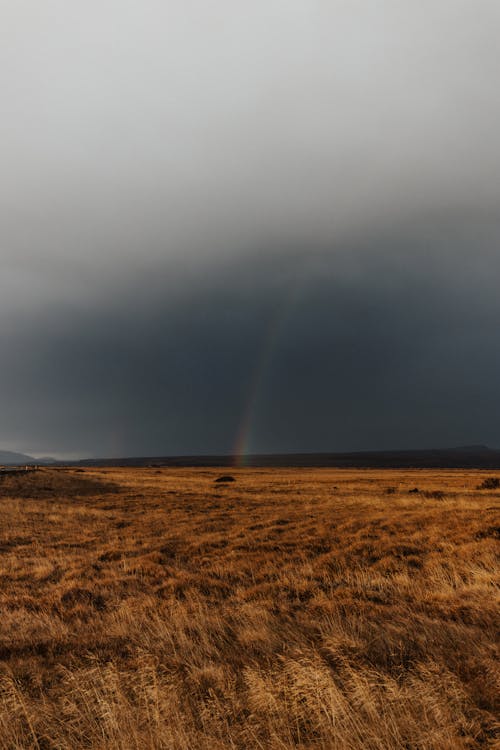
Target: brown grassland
[{"x": 154, "y": 608}]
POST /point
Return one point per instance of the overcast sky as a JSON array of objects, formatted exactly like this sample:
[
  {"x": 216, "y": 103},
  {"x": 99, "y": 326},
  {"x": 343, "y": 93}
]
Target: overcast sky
[{"x": 260, "y": 226}]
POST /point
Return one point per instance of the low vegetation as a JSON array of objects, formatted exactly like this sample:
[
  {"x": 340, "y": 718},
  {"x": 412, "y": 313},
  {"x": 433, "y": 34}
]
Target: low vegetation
[{"x": 157, "y": 608}]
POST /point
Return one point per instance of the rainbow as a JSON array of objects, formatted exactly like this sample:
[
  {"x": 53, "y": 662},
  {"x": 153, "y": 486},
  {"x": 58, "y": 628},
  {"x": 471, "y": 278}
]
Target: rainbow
[{"x": 270, "y": 344}]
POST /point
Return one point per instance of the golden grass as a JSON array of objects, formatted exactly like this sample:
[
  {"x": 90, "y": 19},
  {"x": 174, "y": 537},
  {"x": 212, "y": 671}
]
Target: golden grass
[{"x": 154, "y": 608}]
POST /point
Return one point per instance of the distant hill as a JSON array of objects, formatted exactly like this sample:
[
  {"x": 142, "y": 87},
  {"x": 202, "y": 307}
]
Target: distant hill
[
  {"x": 10, "y": 458},
  {"x": 467, "y": 457},
  {"x": 472, "y": 449}
]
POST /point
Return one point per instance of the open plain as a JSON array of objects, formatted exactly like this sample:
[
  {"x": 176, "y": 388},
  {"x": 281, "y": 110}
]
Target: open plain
[{"x": 158, "y": 608}]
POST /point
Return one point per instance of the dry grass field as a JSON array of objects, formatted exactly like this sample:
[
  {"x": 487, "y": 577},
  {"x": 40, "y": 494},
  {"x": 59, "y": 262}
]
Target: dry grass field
[{"x": 156, "y": 608}]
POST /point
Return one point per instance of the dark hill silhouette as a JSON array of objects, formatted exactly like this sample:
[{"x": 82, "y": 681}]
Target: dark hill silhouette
[
  {"x": 10, "y": 458},
  {"x": 473, "y": 457}
]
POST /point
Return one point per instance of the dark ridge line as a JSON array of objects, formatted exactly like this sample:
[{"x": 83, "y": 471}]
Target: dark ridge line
[{"x": 470, "y": 457}]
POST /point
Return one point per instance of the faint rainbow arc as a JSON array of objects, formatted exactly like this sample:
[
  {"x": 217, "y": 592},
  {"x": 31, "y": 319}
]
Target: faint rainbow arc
[{"x": 277, "y": 324}]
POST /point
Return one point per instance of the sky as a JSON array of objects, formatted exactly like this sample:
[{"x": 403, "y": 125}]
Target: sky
[{"x": 248, "y": 227}]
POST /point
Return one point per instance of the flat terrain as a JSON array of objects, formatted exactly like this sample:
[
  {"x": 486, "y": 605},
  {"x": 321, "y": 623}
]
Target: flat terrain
[{"x": 316, "y": 608}]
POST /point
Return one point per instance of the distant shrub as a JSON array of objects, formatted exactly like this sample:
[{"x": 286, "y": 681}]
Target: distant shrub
[
  {"x": 492, "y": 531},
  {"x": 435, "y": 494},
  {"x": 390, "y": 491},
  {"x": 490, "y": 483}
]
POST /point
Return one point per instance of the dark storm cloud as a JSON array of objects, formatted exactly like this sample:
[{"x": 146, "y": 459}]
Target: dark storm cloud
[
  {"x": 273, "y": 223},
  {"x": 354, "y": 355}
]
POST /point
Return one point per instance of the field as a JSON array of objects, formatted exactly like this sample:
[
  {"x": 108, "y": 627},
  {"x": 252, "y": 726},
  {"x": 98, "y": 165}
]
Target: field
[{"x": 156, "y": 608}]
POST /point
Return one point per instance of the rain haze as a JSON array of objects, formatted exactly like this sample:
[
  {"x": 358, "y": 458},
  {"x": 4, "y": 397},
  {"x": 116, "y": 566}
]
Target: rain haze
[{"x": 249, "y": 227}]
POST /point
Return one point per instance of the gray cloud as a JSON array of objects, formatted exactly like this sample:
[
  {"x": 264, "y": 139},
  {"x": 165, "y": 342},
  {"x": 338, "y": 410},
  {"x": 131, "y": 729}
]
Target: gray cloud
[{"x": 279, "y": 220}]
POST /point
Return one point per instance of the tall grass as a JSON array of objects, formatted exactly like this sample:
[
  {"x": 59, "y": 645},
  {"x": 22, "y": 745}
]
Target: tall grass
[{"x": 290, "y": 609}]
